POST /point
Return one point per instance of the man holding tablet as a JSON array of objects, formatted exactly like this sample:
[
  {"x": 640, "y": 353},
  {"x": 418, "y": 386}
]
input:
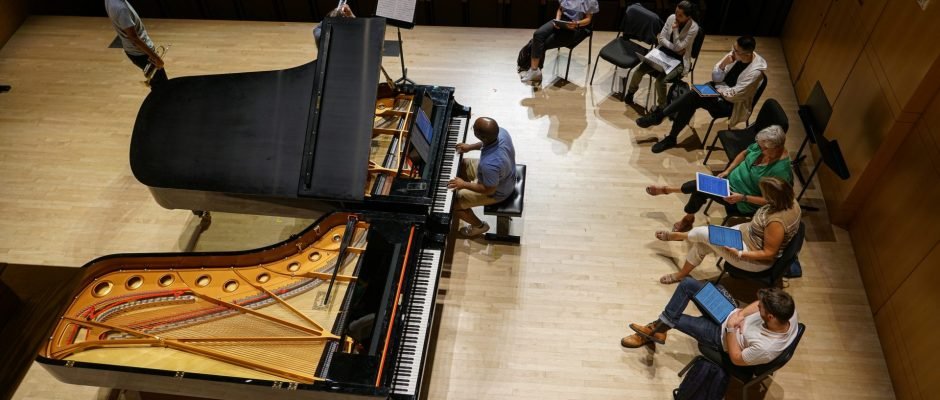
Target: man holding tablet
[
  {"x": 752, "y": 335},
  {"x": 735, "y": 80}
]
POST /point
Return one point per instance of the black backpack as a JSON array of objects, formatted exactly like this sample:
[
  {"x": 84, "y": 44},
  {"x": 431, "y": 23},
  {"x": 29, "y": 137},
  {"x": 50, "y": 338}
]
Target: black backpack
[
  {"x": 704, "y": 381},
  {"x": 676, "y": 90}
]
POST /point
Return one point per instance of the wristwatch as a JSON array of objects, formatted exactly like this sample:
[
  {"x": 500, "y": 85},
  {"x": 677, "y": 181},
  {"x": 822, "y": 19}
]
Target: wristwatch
[{"x": 729, "y": 329}]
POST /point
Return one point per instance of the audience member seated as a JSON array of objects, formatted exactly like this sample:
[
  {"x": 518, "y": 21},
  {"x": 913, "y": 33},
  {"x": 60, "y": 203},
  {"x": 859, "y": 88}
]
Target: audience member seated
[
  {"x": 736, "y": 78},
  {"x": 766, "y": 157},
  {"x": 764, "y": 236},
  {"x": 487, "y": 180},
  {"x": 576, "y": 16},
  {"x": 676, "y": 40},
  {"x": 754, "y": 335},
  {"x": 341, "y": 11}
]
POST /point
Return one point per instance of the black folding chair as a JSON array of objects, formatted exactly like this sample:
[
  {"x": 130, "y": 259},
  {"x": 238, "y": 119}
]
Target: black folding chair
[
  {"x": 621, "y": 52},
  {"x": 770, "y": 276},
  {"x": 734, "y": 141},
  {"x": 716, "y": 116}
]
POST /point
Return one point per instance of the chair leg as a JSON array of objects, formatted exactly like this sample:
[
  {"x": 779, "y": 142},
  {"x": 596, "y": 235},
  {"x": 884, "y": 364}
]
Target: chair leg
[
  {"x": 722, "y": 274},
  {"x": 569, "y": 64},
  {"x": 595, "y": 68},
  {"x": 613, "y": 78},
  {"x": 724, "y": 222},
  {"x": 708, "y": 132},
  {"x": 707, "y": 206},
  {"x": 689, "y": 365},
  {"x": 710, "y": 148}
]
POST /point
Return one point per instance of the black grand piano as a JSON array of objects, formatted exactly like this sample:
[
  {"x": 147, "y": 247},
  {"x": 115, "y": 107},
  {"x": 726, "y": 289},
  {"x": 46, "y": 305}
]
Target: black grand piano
[{"x": 341, "y": 310}]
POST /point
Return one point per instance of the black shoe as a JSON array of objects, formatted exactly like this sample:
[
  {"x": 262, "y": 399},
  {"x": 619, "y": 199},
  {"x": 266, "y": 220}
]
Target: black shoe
[
  {"x": 648, "y": 120},
  {"x": 667, "y": 143}
]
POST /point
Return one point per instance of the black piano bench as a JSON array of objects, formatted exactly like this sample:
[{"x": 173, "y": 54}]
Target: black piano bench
[{"x": 508, "y": 209}]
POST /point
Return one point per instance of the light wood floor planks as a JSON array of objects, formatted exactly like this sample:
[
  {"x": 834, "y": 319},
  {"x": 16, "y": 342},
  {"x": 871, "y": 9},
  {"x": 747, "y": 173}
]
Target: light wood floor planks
[{"x": 539, "y": 321}]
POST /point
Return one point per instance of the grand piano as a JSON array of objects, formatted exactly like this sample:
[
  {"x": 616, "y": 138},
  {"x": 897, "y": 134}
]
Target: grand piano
[{"x": 341, "y": 310}]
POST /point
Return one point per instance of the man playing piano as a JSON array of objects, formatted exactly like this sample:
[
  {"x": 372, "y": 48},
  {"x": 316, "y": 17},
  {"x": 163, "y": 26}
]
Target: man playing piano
[
  {"x": 487, "y": 180},
  {"x": 134, "y": 38}
]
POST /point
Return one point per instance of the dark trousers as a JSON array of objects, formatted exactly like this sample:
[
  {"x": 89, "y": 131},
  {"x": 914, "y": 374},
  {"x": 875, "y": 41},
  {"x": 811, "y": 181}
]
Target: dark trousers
[
  {"x": 684, "y": 108},
  {"x": 141, "y": 62},
  {"x": 703, "y": 329},
  {"x": 547, "y": 37},
  {"x": 697, "y": 199}
]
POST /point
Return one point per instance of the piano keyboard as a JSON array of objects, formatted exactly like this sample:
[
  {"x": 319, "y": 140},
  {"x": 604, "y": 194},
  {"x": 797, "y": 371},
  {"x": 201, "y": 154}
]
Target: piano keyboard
[
  {"x": 416, "y": 317},
  {"x": 443, "y": 198}
]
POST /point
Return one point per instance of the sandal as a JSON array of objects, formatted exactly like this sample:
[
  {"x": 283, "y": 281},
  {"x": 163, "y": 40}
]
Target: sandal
[
  {"x": 663, "y": 235},
  {"x": 683, "y": 225},
  {"x": 669, "y": 279},
  {"x": 654, "y": 190}
]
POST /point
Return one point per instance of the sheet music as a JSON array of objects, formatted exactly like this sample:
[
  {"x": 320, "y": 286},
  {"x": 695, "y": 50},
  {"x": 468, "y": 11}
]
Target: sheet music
[
  {"x": 667, "y": 63},
  {"x": 400, "y": 10},
  {"x": 713, "y": 303}
]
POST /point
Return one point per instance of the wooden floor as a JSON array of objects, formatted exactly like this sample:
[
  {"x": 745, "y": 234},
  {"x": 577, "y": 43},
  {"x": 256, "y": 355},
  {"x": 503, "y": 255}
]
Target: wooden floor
[{"x": 540, "y": 321}]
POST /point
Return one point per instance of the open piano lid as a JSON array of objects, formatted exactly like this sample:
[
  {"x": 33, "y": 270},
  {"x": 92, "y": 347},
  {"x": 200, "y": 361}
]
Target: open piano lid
[{"x": 302, "y": 131}]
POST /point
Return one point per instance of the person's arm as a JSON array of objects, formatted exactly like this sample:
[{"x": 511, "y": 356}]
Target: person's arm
[
  {"x": 685, "y": 42},
  {"x": 773, "y": 238},
  {"x": 736, "y": 323},
  {"x": 464, "y": 147},
  {"x": 140, "y": 45},
  {"x": 478, "y": 187},
  {"x": 718, "y": 73},
  {"x": 734, "y": 164},
  {"x": 666, "y": 32},
  {"x": 347, "y": 12}
]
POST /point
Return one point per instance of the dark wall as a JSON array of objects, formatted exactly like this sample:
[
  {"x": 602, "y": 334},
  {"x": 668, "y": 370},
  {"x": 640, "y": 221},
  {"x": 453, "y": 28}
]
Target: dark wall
[{"x": 726, "y": 17}]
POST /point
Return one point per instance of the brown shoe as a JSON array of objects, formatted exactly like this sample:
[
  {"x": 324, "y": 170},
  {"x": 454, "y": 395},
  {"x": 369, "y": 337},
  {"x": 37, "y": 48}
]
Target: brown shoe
[
  {"x": 633, "y": 341},
  {"x": 649, "y": 332}
]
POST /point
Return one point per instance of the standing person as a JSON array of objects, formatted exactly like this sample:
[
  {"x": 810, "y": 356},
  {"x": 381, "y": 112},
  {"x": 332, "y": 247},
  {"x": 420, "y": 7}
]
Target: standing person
[
  {"x": 576, "y": 16},
  {"x": 675, "y": 40},
  {"x": 134, "y": 38},
  {"x": 487, "y": 180},
  {"x": 342, "y": 10},
  {"x": 735, "y": 77}
]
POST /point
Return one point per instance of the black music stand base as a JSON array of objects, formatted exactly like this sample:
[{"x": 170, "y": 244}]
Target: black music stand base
[
  {"x": 5, "y": 88},
  {"x": 401, "y": 56}
]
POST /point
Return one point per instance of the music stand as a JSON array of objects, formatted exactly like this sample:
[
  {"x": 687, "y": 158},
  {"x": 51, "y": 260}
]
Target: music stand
[
  {"x": 815, "y": 117},
  {"x": 400, "y": 14},
  {"x": 831, "y": 154},
  {"x": 5, "y": 88}
]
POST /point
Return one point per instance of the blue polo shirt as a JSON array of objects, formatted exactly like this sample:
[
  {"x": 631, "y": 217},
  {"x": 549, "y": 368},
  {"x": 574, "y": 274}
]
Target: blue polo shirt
[{"x": 498, "y": 165}]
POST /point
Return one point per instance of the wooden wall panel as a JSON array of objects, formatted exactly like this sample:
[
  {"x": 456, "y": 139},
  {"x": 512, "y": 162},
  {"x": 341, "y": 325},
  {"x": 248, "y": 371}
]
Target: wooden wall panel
[
  {"x": 799, "y": 32},
  {"x": 868, "y": 265},
  {"x": 892, "y": 345},
  {"x": 861, "y": 118},
  {"x": 838, "y": 45},
  {"x": 906, "y": 203},
  {"x": 905, "y": 42},
  {"x": 12, "y": 14}
]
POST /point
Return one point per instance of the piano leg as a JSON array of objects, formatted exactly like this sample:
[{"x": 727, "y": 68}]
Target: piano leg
[{"x": 205, "y": 219}]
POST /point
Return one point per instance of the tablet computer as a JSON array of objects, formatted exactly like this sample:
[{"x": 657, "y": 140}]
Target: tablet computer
[
  {"x": 724, "y": 236},
  {"x": 713, "y": 303},
  {"x": 710, "y": 184},
  {"x": 705, "y": 90}
]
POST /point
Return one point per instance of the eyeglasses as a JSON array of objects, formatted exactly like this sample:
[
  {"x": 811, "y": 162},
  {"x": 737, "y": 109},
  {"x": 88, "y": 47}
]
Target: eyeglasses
[{"x": 740, "y": 53}]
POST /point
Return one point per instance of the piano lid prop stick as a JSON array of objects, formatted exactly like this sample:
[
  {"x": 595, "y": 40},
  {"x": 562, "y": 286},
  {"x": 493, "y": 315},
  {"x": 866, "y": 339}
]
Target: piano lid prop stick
[{"x": 341, "y": 258}]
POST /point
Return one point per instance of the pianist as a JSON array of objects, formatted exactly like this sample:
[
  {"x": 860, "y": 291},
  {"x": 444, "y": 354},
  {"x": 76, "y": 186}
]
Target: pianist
[
  {"x": 487, "y": 180},
  {"x": 134, "y": 38}
]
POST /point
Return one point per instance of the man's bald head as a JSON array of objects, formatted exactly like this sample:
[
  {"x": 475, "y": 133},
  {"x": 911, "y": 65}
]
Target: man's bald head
[{"x": 486, "y": 129}]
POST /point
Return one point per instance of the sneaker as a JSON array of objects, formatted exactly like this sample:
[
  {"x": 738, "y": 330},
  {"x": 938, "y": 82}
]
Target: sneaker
[
  {"x": 474, "y": 231},
  {"x": 667, "y": 143},
  {"x": 653, "y": 118},
  {"x": 532, "y": 75}
]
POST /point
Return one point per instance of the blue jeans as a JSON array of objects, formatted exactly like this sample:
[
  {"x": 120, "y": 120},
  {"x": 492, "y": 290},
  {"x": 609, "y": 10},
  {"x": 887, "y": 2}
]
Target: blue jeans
[{"x": 703, "y": 329}]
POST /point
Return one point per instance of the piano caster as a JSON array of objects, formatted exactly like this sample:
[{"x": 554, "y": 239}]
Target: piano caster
[{"x": 205, "y": 219}]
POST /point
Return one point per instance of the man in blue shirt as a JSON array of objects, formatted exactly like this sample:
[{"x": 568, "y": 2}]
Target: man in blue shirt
[{"x": 487, "y": 180}]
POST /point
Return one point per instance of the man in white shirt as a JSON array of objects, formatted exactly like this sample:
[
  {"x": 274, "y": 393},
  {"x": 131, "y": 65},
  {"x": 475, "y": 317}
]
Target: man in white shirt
[
  {"x": 134, "y": 38},
  {"x": 754, "y": 335}
]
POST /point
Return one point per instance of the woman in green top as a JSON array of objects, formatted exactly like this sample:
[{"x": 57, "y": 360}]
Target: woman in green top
[{"x": 766, "y": 157}]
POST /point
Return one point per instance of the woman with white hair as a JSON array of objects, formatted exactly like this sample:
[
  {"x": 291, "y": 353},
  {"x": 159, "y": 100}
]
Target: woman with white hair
[
  {"x": 764, "y": 236},
  {"x": 766, "y": 157}
]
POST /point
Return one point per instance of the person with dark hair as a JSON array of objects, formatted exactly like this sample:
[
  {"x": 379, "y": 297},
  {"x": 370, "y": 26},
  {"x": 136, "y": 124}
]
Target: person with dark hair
[
  {"x": 487, "y": 180},
  {"x": 765, "y": 236},
  {"x": 752, "y": 335},
  {"x": 134, "y": 38},
  {"x": 766, "y": 157},
  {"x": 735, "y": 77},
  {"x": 675, "y": 40},
  {"x": 341, "y": 11},
  {"x": 572, "y": 19}
]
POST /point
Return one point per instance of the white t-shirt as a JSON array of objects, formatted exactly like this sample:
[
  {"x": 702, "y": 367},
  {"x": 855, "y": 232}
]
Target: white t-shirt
[
  {"x": 758, "y": 344},
  {"x": 124, "y": 16}
]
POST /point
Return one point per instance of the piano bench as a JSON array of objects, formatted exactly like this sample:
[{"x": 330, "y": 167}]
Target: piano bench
[{"x": 508, "y": 209}]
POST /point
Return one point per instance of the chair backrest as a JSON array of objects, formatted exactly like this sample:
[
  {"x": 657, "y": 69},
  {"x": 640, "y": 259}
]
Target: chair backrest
[
  {"x": 771, "y": 113},
  {"x": 698, "y": 42},
  {"x": 790, "y": 252},
  {"x": 783, "y": 358},
  {"x": 760, "y": 90},
  {"x": 640, "y": 24}
]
